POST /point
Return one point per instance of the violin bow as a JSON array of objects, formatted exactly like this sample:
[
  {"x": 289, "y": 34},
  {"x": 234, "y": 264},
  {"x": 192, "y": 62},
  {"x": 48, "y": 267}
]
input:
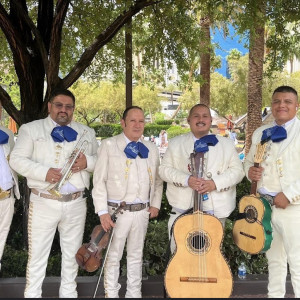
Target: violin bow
[
  {"x": 104, "y": 260},
  {"x": 122, "y": 204}
]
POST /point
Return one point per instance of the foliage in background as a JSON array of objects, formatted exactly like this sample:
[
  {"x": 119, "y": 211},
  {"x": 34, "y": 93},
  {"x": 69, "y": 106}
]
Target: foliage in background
[{"x": 15, "y": 256}]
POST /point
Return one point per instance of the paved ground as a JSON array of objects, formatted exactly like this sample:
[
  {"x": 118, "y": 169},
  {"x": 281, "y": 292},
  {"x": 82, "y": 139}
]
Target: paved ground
[{"x": 254, "y": 286}]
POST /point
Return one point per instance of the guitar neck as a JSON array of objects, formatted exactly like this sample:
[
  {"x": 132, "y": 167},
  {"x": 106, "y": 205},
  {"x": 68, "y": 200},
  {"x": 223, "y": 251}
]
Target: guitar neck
[
  {"x": 254, "y": 183},
  {"x": 197, "y": 162}
]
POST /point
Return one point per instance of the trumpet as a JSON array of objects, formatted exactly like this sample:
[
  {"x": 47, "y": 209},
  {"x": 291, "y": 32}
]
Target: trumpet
[{"x": 66, "y": 170}]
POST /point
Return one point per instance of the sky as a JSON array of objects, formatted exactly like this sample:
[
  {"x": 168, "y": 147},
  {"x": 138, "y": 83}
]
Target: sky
[{"x": 231, "y": 42}]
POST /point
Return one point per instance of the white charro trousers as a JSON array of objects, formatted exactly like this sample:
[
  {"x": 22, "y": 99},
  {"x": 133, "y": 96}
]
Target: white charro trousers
[
  {"x": 45, "y": 215},
  {"x": 130, "y": 226},
  {"x": 285, "y": 249},
  {"x": 6, "y": 215}
]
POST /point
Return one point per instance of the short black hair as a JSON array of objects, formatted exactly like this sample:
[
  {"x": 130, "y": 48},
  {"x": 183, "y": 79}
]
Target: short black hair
[
  {"x": 285, "y": 89},
  {"x": 199, "y": 105},
  {"x": 125, "y": 113},
  {"x": 65, "y": 92}
]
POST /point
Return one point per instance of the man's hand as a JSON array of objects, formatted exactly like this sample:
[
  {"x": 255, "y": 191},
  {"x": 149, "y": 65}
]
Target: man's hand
[
  {"x": 206, "y": 186},
  {"x": 53, "y": 175},
  {"x": 255, "y": 173},
  {"x": 281, "y": 201},
  {"x": 80, "y": 163},
  {"x": 106, "y": 222},
  {"x": 153, "y": 212},
  {"x": 201, "y": 185}
]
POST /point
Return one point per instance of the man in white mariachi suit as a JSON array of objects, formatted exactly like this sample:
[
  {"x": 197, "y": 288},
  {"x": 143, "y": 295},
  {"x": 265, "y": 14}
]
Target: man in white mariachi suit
[
  {"x": 278, "y": 180},
  {"x": 41, "y": 150},
  {"x": 9, "y": 187},
  {"x": 222, "y": 171},
  {"x": 127, "y": 170}
]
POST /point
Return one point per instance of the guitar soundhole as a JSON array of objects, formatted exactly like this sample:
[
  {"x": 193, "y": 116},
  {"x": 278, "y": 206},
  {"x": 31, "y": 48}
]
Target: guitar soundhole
[
  {"x": 251, "y": 214},
  {"x": 198, "y": 242}
]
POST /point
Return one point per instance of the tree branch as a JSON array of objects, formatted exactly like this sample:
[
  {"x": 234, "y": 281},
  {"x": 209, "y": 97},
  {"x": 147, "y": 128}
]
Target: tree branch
[
  {"x": 55, "y": 42},
  {"x": 102, "y": 39},
  {"x": 36, "y": 33}
]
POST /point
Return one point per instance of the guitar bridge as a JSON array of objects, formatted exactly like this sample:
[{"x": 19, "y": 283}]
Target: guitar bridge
[
  {"x": 199, "y": 279},
  {"x": 248, "y": 235}
]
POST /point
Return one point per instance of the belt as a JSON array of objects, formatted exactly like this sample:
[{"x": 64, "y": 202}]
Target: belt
[
  {"x": 130, "y": 207},
  {"x": 5, "y": 194},
  {"x": 269, "y": 198},
  {"x": 63, "y": 198}
]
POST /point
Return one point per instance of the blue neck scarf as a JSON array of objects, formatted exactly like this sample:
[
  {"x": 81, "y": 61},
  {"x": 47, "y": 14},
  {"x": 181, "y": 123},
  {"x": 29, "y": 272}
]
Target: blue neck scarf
[
  {"x": 134, "y": 149},
  {"x": 3, "y": 137},
  {"x": 62, "y": 133},
  {"x": 276, "y": 134},
  {"x": 202, "y": 144}
]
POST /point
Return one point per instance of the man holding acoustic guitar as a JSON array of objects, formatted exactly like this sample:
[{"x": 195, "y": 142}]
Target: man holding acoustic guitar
[
  {"x": 278, "y": 181},
  {"x": 201, "y": 171}
]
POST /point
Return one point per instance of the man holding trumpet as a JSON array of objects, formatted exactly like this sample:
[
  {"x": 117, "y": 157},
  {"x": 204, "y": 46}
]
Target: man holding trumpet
[{"x": 57, "y": 156}]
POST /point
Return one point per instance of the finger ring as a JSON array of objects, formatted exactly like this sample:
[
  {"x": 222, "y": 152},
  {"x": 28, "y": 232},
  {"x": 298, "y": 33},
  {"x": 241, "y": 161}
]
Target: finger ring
[
  {"x": 78, "y": 168},
  {"x": 52, "y": 179}
]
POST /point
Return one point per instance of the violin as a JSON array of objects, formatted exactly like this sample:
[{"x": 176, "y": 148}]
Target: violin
[{"x": 89, "y": 256}]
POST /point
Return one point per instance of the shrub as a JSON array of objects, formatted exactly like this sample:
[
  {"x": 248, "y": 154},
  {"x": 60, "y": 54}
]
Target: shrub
[
  {"x": 176, "y": 130},
  {"x": 15, "y": 256}
]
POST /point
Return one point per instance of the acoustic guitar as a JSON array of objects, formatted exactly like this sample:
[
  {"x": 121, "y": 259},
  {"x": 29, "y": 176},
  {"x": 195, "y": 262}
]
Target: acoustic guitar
[
  {"x": 198, "y": 268},
  {"x": 252, "y": 231}
]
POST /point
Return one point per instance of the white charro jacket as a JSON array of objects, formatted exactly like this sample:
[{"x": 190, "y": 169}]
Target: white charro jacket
[
  {"x": 286, "y": 164},
  {"x": 7, "y": 148},
  {"x": 111, "y": 173},
  {"x": 35, "y": 152},
  {"x": 223, "y": 166}
]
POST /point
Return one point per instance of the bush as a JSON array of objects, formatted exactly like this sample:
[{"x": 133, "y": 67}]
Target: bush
[
  {"x": 164, "y": 122},
  {"x": 176, "y": 130},
  {"x": 15, "y": 256}
]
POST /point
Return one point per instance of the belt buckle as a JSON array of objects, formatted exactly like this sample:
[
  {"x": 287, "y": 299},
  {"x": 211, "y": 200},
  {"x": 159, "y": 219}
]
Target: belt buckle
[
  {"x": 65, "y": 198},
  {"x": 136, "y": 207}
]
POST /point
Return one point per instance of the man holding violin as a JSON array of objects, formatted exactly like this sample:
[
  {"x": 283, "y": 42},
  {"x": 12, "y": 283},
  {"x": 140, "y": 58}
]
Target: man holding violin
[
  {"x": 127, "y": 170},
  {"x": 46, "y": 151}
]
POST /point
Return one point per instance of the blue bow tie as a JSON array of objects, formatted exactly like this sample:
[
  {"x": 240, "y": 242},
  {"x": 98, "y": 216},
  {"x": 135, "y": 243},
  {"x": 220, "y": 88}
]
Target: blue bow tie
[
  {"x": 61, "y": 133},
  {"x": 202, "y": 144},
  {"x": 3, "y": 137},
  {"x": 276, "y": 134},
  {"x": 134, "y": 149}
]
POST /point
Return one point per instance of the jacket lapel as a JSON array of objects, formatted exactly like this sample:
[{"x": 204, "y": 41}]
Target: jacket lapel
[{"x": 295, "y": 128}]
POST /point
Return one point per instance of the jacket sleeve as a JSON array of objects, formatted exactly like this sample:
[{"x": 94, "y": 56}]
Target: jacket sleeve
[
  {"x": 99, "y": 191},
  {"x": 20, "y": 158}
]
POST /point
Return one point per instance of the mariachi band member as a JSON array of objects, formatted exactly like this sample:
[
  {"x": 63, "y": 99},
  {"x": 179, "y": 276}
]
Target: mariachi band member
[
  {"x": 42, "y": 149},
  {"x": 127, "y": 170},
  {"x": 223, "y": 170},
  {"x": 9, "y": 187},
  {"x": 278, "y": 180}
]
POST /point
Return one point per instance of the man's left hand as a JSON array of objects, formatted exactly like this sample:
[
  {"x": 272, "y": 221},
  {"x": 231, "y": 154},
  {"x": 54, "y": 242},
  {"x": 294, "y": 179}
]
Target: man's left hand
[
  {"x": 80, "y": 163},
  {"x": 206, "y": 186},
  {"x": 153, "y": 212},
  {"x": 281, "y": 201}
]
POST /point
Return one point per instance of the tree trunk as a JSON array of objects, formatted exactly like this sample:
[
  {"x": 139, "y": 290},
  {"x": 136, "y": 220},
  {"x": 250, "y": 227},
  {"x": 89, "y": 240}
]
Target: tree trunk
[
  {"x": 36, "y": 51},
  {"x": 205, "y": 50},
  {"x": 256, "y": 58},
  {"x": 128, "y": 59}
]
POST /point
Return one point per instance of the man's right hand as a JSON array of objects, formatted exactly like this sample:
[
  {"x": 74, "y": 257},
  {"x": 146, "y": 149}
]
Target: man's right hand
[
  {"x": 255, "y": 173},
  {"x": 53, "y": 175},
  {"x": 106, "y": 222}
]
